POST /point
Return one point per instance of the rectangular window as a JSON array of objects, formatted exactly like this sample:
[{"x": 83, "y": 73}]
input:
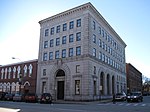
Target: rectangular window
[
  {"x": 103, "y": 57},
  {"x": 94, "y": 87},
  {"x": 46, "y": 32},
  {"x": 79, "y": 23},
  {"x": 58, "y": 29},
  {"x": 77, "y": 68},
  {"x": 77, "y": 87},
  {"x": 57, "y": 55},
  {"x": 57, "y": 41},
  {"x": 43, "y": 87},
  {"x": 45, "y": 57},
  {"x": 78, "y": 36},
  {"x": 71, "y": 25},
  {"x": 50, "y": 55},
  {"x": 103, "y": 45},
  {"x": 100, "y": 56},
  {"x": 78, "y": 50},
  {"x": 65, "y": 27},
  {"x": 100, "y": 30},
  {"x": 94, "y": 52},
  {"x": 70, "y": 52},
  {"x": 45, "y": 44},
  {"x": 70, "y": 38},
  {"x": 64, "y": 40},
  {"x": 51, "y": 43},
  {"x": 63, "y": 53},
  {"x": 94, "y": 25},
  {"x": 99, "y": 43},
  {"x": 44, "y": 72},
  {"x": 94, "y": 71},
  {"x": 94, "y": 38},
  {"x": 52, "y": 31}
]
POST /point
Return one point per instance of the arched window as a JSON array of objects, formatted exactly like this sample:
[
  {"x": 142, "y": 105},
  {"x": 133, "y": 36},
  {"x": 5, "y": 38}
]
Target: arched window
[
  {"x": 9, "y": 71},
  {"x": 25, "y": 70},
  {"x": 5, "y": 73},
  {"x": 30, "y": 70},
  {"x": 18, "y": 71},
  {"x": 2, "y": 73},
  {"x": 14, "y": 72}
]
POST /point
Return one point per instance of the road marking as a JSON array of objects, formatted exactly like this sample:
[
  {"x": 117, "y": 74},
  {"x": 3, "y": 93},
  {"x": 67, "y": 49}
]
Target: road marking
[
  {"x": 135, "y": 104},
  {"x": 128, "y": 104},
  {"x": 143, "y": 105},
  {"x": 121, "y": 104},
  {"x": 71, "y": 110}
]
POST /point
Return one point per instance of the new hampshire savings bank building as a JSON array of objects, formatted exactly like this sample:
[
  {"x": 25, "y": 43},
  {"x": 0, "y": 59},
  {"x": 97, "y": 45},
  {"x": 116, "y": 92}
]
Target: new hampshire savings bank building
[{"x": 81, "y": 57}]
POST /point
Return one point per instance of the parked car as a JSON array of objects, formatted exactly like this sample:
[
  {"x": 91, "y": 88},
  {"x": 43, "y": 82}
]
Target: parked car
[
  {"x": 46, "y": 98},
  {"x": 18, "y": 97},
  {"x": 2, "y": 95},
  {"x": 120, "y": 96},
  {"x": 135, "y": 96},
  {"x": 31, "y": 97},
  {"x": 9, "y": 97}
]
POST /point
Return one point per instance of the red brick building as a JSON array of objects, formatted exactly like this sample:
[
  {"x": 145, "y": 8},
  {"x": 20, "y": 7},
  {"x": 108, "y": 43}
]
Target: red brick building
[
  {"x": 19, "y": 77},
  {"x": 134, "y": 78}
]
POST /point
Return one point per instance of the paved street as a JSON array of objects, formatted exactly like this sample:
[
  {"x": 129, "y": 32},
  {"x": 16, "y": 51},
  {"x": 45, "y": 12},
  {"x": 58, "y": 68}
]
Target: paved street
[{"x": 81, "y": 107}]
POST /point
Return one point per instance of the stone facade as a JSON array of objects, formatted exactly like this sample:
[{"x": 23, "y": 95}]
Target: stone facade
[{"x": 80, "y": 56}]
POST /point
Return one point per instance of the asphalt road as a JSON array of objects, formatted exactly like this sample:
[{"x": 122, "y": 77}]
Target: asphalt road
[{"x": 81, "y": 107}]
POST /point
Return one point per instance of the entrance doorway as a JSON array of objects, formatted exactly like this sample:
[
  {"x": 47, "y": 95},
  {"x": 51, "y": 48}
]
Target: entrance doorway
[
  {"x": 60, "y": 90},
  {"x": 60, "y": 80}
]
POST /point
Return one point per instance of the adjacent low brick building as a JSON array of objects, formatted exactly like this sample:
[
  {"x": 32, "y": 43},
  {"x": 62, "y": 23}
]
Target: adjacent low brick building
[
  {"x": 19, "y": 77},
  {"x": 134, "y": 78}
]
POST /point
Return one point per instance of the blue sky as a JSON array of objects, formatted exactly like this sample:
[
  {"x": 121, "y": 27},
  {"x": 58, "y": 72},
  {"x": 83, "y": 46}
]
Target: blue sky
[{"x": 19, "y": 28}]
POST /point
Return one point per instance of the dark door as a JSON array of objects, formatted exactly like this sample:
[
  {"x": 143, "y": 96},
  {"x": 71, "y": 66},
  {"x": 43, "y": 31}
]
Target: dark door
[{"x": 60, "y": 90}]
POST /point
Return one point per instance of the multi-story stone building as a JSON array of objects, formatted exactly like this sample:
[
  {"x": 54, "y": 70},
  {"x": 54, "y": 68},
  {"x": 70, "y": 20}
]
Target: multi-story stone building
[
  {"x": 19, "y": 77},
  {"x": 81, "y": 57},
  {"x": 134, "y": 78}
]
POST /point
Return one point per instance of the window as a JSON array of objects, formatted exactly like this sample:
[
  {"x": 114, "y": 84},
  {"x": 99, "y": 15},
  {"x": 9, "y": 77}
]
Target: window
[
  {"x": 52, "y": 31},
  {"x": 70, "y": 38},
  {"x": 78, "y": 22},
  {"x": 106, "y": 35},
  {"x": 103, "y": 57},
  {"x": 103, "y": 45},
  {"x": 57, "y": 41},
  {"x": 100, "y": 30},
  {"x": 45, "y": 44},
  {"x": 50, "y": 55},
  {"x": 64, "y": 40},
  {"x": 44, "y": 56},
  {"x": 77, "y": 87},
  {"x": 65, "y": 27},
  {"x": 94, "y": 26},
  {"x": 58, "y": 29},
  {"x": 78, "y": 50},
  {"x": 71, "y": 25},
  {"x": 51, "y": 42},
  {"x": 94, "y": 87},
  {"x": 57, "y": 55},
  {"x": 100, "y": 55},
  {"x": 46, "y": 32},
  {"x": 70, "y": 52},
  {"x": 94, "y": 71},
  {"x": 78, "y": 36},
  {"x": 44, "y": 72},
  {"x": 77, "y": 68},
  {"x": 94, "y": 52},
  {"x": 106, "y": 59},
  {"x": 63, "y": 53},
  {"x": 94, "y": 38}
]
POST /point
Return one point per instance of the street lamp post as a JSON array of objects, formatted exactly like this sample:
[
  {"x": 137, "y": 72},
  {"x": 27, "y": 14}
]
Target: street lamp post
[{"x": 20, "y": 75}]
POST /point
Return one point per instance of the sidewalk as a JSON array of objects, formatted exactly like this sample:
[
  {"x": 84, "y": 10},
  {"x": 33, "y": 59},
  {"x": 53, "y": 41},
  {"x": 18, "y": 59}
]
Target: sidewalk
[{"x": 82, "y": 102}]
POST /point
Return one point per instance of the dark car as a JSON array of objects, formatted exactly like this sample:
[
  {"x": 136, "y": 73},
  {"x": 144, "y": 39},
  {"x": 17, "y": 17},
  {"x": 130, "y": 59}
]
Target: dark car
[
  {"x": 135, "y": 96},
  {"x": 2, "y": 95},
  {"x": 46, "y": 98},
  {"x": 31, "y": 97},
  {"x": 18, "y": 97},
  {"x": 9, "y": 97},
  {"x": 120, "y": 96}
]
